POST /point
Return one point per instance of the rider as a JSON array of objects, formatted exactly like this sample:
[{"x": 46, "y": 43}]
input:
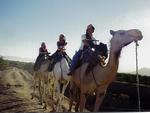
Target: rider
[
  {"x": 88, "y": 42},
  {"x": 60, "y": 52},
  {"x": 61, "y": 45},
  {"x": 43, "y": 52}
]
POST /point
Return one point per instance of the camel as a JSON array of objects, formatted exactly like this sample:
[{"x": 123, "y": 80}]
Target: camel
[
  {"x": 43, "y": 79},
  {"x": 101, "y": 77},
  {"x": 60, "y": 71},
  {"x": 49, "y": 82}
]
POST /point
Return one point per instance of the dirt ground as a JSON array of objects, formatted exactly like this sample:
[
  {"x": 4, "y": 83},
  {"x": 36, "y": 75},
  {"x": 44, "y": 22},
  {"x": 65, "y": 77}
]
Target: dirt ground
[{"x": 15, "y": 93}]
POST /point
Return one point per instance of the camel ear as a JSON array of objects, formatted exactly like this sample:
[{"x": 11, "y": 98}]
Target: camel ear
[{"x": 112, "y": 32}]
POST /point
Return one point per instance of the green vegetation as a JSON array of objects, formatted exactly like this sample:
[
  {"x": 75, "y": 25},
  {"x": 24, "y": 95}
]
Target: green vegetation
[
  {"x": 4, "y": 64},
  {"x": 123, "y": 77},
  {"x": 131, "y": 78}
]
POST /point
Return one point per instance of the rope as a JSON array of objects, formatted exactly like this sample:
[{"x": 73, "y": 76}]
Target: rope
[
  {"x": 94, "y": 79},
  {"x": 137, "y": 77}
]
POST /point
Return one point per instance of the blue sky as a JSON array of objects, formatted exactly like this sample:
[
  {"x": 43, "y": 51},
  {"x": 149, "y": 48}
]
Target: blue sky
[{"x": 24, "y": 24}]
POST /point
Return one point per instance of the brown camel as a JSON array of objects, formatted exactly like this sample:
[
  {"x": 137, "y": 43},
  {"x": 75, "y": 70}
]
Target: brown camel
[{"x": 100, "y": 77}]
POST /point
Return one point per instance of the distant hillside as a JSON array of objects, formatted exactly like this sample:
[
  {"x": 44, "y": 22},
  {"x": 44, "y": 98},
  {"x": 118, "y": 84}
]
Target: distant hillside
[
  {"x": 5, "y": 64},
  {"x": 13, "y": 58},
  {"x": 143, "y": 71},
  {"x": 123, "y": 77}
]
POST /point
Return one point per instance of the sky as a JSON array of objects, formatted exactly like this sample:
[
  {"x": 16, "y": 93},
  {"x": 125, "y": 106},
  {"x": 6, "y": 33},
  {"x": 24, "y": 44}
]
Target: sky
[{"x": 24, "y": 24}]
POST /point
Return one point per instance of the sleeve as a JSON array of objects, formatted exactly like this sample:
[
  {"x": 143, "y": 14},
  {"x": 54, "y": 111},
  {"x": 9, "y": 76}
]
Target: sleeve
[
  {"x": 39, "y": 50},
  {"x": 83, "y": 37},
  {"x": 58, "y": 45}
]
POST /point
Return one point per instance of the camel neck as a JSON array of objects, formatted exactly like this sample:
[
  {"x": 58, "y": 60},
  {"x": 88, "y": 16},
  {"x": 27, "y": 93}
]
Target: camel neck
[
  {"x": 112, "y": 65},
  {"x": 108, "y": 73},
  {"x": 113, "y": 62}
]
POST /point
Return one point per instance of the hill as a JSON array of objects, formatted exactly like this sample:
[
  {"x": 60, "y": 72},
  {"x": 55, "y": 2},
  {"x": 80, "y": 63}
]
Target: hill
[
  {"x": 13, "y": 58},
  {"x": 143, "y": 71},
  {"x": 5, "y": 64}
]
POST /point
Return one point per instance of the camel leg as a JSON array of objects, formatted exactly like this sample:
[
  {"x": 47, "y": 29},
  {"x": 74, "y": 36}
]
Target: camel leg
[
  {"x": 47, "y": 89},
  {"x": 53, "y": 88},
  {"x": 58, "y": 96},
  {"x": 73, "y": 93},
  {"x": 70, "y": 96},
  {"x": 70, "y": 105},
  {"x": 61, "y": 97},
  {"x": 82, "y": 101},
  {"x": 40, "y": 92},
  {"x": 99, "y": 99},
  {"x": 77, "y": 107},
  {"x": 71, "y": 99},
  {"x": 63, "y": 90},
  {"x": 34, "y": 87},
  {"x": 45, "y": 97}
]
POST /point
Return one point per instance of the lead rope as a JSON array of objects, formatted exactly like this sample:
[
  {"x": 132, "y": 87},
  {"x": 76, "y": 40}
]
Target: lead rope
[{"x": 137, "y": 76}]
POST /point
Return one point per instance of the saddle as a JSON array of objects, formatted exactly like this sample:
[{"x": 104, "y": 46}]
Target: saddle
[
  {"x": 57, "y": 57},
  {"x": 93, "y": 58},
  {"x": 39, "y": 62}
]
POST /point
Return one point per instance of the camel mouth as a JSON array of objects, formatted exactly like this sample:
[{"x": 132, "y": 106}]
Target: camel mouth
[{"x": 140, "y": 37}]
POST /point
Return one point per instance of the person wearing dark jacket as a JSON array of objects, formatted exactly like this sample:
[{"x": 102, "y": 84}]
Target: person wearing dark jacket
[{"x": 43, "y": 52}]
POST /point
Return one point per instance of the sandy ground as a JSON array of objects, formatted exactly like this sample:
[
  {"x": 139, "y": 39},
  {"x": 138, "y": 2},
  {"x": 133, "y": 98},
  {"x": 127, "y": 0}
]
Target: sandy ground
[{"x": 15, "y": 93}]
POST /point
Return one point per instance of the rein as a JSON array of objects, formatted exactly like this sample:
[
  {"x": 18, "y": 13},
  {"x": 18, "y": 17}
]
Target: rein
[{"x": 95, "y": 79}]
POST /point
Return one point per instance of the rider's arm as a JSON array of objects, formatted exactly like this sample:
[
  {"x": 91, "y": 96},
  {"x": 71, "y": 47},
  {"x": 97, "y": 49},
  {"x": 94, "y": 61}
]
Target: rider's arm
[{"x": 84, "y": 40}]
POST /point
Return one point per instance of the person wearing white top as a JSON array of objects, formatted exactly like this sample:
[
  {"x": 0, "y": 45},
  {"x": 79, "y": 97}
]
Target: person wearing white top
[
  {"x": 87, "y": 42},
  {"x": 84, "y": 40}
]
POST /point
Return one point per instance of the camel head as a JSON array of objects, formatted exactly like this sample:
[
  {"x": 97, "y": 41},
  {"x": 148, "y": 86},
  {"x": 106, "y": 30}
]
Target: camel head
[{"x": 122, "y": 38}]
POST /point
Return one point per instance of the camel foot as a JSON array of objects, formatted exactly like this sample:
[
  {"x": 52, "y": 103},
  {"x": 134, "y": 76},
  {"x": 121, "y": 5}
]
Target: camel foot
[
  {"x": 40, "y": 103},
  {"x": 32, "y": 96},
  {"x": 45, "y": 107}
]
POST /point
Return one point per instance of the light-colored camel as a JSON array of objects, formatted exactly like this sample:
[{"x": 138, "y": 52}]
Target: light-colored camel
[
  {"x": 100, "y": 77},
  {"x": 43, "y": 79},
  {"x": 60, "y": 71}
]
